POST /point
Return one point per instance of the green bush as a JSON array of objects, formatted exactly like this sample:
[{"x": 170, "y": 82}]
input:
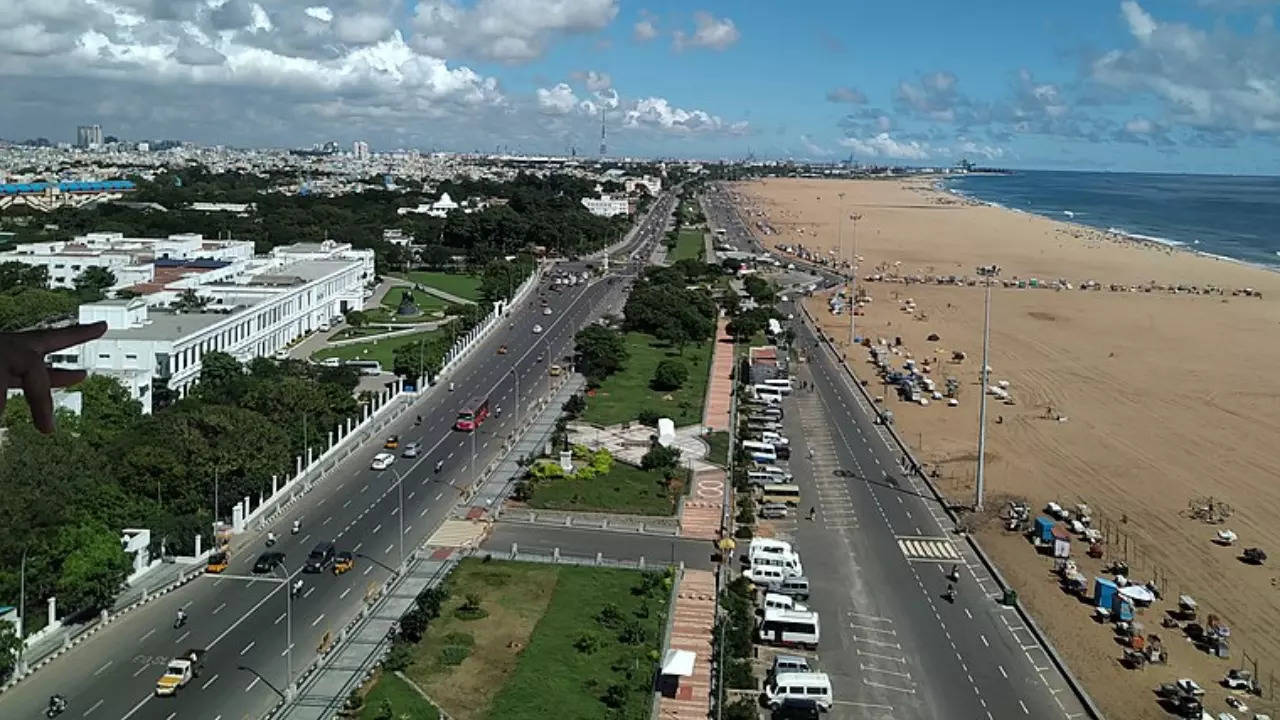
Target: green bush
[
  {"x": 660, "y": 458},
  {"x": 587, "y": 643},
  {"x": 738, "y": 675},
  {"x": 470, "y": 609},
  {"x": 669, "y": 375},
  {"x": 648, "y": 417},
  {"x": 399, "y": 657},
  {"x": 742, "y": 709},
  {"x": 454, "y": 654},
  {"x": 744, "y": 532}
]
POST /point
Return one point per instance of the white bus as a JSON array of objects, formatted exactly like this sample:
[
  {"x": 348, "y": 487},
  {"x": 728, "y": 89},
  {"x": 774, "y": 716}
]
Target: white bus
[
  {"x": 786, "y": 494},
  {"x": 760, "y": 452},
  {"x": 789, "y": 628},
  {"x": 778, "y": 385}
]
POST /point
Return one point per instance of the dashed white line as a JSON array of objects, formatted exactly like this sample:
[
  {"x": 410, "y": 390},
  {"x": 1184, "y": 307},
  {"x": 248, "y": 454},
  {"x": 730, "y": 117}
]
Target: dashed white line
[
  {"x": 344, "y": 593},
  {"x": 252, "y": 684},
  {"x": 148, "y": 634},
  {"x": 317, "y": 620},
  {"x": 219, "y": 608},
  {"x": 277, "y": 622},
  {"x": 182, "y": 637},
  {"x": 1003, "y": 674},
  {"x": 95, "y": 707},
  {"x": 248, "y": 647},
  {"x": 1023, "y": 705},
  {"x": 209, "y": 682},
  {"x": 105, "y": 665}
]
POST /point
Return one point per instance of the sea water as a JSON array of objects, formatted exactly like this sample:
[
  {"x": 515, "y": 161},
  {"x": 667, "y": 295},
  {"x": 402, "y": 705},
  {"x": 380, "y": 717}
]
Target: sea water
[{"x": 1229, "y": 216}]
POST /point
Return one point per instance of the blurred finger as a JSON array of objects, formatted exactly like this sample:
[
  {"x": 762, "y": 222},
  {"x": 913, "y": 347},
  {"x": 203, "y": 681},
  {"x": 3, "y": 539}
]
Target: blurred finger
[
  {"x": 46, "y": 341},
  {"x": 65, "y": 378},
  {"x": 35, "y": 385}
]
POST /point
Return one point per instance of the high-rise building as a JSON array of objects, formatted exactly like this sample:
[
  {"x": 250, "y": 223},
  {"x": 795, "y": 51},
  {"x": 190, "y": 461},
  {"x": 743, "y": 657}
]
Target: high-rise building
[
  {"x": 360, "y": 149},
  {"x": 88, "y": 135}
]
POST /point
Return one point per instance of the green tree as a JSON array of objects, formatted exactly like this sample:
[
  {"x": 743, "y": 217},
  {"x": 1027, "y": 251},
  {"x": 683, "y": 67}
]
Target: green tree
[
  {"x": 15, "y": 274},
  {"x": 661, "y": 458},
  {"x": 357, "y": 318},
  {"x": 599, "y": 352},
  {"x": 747, "y": 324},
  {"x": 9, "y": 645},
  {"x": 93, "y": 568},
  {"x": 669, "y": 375},
  {"x": 221, "y": 378},
  {"x": 190, "y": 301},
  {"x": 760, "y": 290},
  {"x": 92, "y": 283},
  {"x": 106, "y": 410}
]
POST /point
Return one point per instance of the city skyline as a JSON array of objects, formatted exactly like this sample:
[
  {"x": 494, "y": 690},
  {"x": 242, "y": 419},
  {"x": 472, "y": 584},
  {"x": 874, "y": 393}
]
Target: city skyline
[{"x": 1104, "y": 86}]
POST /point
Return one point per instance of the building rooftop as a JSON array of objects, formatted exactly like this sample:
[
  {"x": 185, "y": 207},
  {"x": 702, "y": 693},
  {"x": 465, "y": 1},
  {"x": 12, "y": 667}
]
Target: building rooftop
[{"x": 163, "y": 325}]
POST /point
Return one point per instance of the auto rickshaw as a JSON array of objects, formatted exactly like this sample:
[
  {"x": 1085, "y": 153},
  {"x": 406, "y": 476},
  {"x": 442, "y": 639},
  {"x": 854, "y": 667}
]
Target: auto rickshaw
[
  {"x": 392, "y": 442},
  {"x": 218, "y": 562},
  {"x": 343, "y": 562}
]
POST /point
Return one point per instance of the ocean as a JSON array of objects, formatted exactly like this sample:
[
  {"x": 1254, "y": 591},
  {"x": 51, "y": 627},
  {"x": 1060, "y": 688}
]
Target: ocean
[{"x": 1220, "y": 215}]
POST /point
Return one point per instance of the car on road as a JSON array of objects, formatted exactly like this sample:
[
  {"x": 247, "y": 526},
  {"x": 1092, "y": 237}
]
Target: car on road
[
  {"x": 546, "y": 311},
  {"x": 267, "y": 562},
  {"x": 554, "y": 370},
  {"x": 382, "y": 461},
  {"x": 343, "y": 562},
  {"x": 411, "y": 450},
  {"x": 392, "y": 442},
  {"x": 537, "y": 329},
  {"x": 218, "y": 562}
]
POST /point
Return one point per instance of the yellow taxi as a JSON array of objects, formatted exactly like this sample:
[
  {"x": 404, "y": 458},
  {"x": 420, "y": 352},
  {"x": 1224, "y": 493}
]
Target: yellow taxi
[
  {"x": 218, "y": 562},
  {"x": 392, "y": 442},
  {"x": 343, "y": 562},
  {"x": 554, "y": 370}
]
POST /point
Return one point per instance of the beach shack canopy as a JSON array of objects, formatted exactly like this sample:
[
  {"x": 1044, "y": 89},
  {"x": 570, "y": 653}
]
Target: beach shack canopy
[
  {"x": 678, "y": 662},
  {"x": 1138, "y": 594}
]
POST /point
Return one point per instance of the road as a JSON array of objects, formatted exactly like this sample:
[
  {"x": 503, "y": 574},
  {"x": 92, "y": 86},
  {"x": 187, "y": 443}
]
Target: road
[
  {"x": 877, "y": 556},
  {"x": 241, "y": 619}
]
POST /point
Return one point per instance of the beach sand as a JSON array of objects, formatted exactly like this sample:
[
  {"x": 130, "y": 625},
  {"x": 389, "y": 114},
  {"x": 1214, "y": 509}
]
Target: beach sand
[{"x": 1166, "y": 397}]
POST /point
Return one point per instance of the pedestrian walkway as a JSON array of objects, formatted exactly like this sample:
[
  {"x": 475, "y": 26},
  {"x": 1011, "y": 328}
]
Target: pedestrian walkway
[
  {"x": 692, "y": 629},
  {"x": 720, "y": 388},
  {"x": 703, "y": 510}
]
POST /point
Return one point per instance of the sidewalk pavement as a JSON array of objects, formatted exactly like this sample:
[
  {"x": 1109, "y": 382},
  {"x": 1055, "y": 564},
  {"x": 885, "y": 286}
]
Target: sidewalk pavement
[
  {"x": 630, "y": 444},
  {"x": 694, "y": 618},
  {"x": 720, "y": 388}
]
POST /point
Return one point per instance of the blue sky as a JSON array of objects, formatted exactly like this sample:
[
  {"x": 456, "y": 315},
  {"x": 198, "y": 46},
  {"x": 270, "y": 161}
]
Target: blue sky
[{"x": 1179, "y": 85}]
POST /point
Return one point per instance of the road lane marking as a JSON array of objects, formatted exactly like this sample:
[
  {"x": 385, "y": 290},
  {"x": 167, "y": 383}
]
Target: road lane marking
[
  {"x": 376, "y": 529},
  {"x": 384, "y": 552},
  {"x": 326, "y": 520},
  {"x": 1023, "y": 705},
  {"x": 306, "y": 538},
  {"x": 1003, "y": 674},
  {"x": 138, "y": 707},
  {"x": 344, "y": 593},
  {"x": 438, "y": 496},
  {"x": 182, "y": 637},
  {"x": 252, "y": 684},
  {"x": 425, "y": 509},
  {"x": 346, "y": 504},
  {"x": 210, "y": 681},
  {"x": 282, "y": 616},
  {"x": 286, "y": 651},
  {"x": 368, "y": 569},
  {"x": 95, "y": 707},
  {"x": 105, "y": 665},
  {"x": 141, "y": 670},
  {"x": 896, "y": 673},
  {"x": 357, "y": 547},
  {"x": 219, "y": 608},
  {"x": 148, "y": 634},
  {"x": 317, "y": 620},
  {"x": 984, "y": 640}
]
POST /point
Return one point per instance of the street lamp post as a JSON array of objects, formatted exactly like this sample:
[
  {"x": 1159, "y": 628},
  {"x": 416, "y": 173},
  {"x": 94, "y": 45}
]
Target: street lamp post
[
  {"x": 979, "y": 478},
  {"x": 288, "y": 634},
  {"x": 400, "y": 512},
  {"x": 516, "y": 375}
]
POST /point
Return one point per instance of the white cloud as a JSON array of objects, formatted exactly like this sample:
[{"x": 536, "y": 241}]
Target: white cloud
[
  {"x": 973, "y": 149},
  {"x": 1217, "y": 81},
  {"x": 708, "y": 32},
  {"x": 883, "y": 146},
  {"x": 658, "y": 114},
  {"x": 812, "y": 148},
  {"x": 513, "y": 31},
  {"x": 644, "y": 30},
  {"x": 320, "y": 12},
  {"x": 558, "y": 100},
  {"x": 597, "y": 81}
]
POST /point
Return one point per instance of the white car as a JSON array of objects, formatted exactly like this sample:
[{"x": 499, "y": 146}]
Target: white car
[
  {"x": 382, "y": 461},
  {"x": 537, "y": 329},
  {"x": 546, "y": 311}
]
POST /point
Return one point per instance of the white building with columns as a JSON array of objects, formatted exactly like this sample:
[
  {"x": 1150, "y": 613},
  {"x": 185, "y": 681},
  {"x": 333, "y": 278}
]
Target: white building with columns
[{"x": 252, "y": 308}]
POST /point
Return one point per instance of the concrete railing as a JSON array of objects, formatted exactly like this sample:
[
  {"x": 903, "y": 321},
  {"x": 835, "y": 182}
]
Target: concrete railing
[{"x": 1077, "y": 688}]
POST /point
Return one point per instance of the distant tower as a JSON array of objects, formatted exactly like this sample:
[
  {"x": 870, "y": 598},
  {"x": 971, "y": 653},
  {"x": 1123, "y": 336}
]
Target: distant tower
[{"x": 604, "y": 148}]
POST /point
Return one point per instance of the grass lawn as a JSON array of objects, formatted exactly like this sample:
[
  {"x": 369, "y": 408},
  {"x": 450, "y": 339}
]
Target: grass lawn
[
  {"x": 464, "y": 286},
  {"x": 381, "y": 350},
  {"x": 718, "y": 447},
  {"x": 688, "y": 245},
  {"x": 426, "y": 302},
  {"x": 405, "y": 701},
  {"x": 555, "y": 679},
  {"x": 757, "y": 340},
  {"x": 522, "y": 662},
  {"x": 622, "y": 396},
  {"x": 626, "y": 489}
]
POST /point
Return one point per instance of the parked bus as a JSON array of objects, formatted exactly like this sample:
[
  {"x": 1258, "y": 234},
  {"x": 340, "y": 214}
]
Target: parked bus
[
  {"x": 784, "y": 493},
  {"x": 760, "y": 452},
  {"x": 475, "y": 412},
  {"x": 789, "y": 628}
]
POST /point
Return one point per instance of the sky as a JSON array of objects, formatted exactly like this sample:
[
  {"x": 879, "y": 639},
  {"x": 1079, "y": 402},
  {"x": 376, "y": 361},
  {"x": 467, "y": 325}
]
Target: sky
[{"x": 1141, "y": 85}]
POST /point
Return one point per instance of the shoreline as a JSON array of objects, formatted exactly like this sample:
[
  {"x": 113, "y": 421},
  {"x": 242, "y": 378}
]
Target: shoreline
[{"x": 939, "y": 185}]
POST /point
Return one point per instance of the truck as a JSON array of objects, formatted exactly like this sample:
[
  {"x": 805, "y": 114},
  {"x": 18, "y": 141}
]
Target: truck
[{"x": 181, "y": 670}]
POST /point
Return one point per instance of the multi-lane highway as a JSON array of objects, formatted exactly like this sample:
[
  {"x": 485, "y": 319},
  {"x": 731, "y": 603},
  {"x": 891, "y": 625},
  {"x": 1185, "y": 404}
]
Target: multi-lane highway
[{"x": 240, "y": 620}]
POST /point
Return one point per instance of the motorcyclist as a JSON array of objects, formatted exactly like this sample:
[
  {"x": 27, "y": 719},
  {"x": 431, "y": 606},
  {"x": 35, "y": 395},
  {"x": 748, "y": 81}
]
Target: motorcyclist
[
  {"x": 450, "y": 387},
  {"x": 950, "y": 593},
  {"x": 182, "y": 618},
  {"x": 297, "y": 525},
  {"x": 439, "y": 464},
  {"x": 498, "y": 410},
  {"x": 271, "y": 538},
  {"x": 57, "y": 704},
  {"x": 297, "y": 587},
  {"x": 418, "y": 420}
]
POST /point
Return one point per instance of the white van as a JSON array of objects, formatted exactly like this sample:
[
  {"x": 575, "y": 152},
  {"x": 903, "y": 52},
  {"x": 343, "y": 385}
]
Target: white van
[
  {"x": 811, "y": 686},
  {"x": 778, "y": 601},
  {"x": 782, "y": 385},
  {"x": 767, "y": 395},
  {"x": 788, "y": 561},
  {"x": 759, "y": 451},
  {"x": 790, "y": 628},
  {"x": 797, "y": 587},
  {"x": 761, "y": 424},
  {"x": 761, "y": 479},
  {"x": 775, "y": 471},
  {"x": 766, "y": 575},
  {"x": 773, "y": 438},
  {"x": 767, "y": 546},
  {"x": 783, "y": 663}
]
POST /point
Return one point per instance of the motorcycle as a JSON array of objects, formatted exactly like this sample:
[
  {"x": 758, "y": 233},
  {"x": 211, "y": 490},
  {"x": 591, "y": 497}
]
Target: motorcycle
[
  {"x": 950, "y": 594},
  {"x": 439, "y": 464},
  {"x": 297, "y": 526},
  {"x": 271, "y": 539},
  {"x": 418, "y": 420},
  {"x": 179, "y": 621},
  {"x": 57, "y": 706}
]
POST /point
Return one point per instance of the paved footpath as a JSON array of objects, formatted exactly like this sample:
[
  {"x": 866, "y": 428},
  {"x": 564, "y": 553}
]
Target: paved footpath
[
  {"x": 704, "y": 509},
  {"x": 694, "y": 617},
  {"x": 720, "y": 388}
]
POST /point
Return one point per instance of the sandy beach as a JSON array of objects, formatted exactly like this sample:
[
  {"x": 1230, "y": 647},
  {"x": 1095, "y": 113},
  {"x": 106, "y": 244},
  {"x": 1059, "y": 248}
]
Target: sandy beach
[{"x": 1154, "y": 388}]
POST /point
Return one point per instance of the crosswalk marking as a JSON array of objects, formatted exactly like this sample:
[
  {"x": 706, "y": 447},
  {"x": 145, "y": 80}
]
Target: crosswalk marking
[{"x": 928, "y": 549}]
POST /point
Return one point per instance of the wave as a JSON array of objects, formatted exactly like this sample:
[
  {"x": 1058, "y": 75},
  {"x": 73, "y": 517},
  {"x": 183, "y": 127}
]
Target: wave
[
  {"x": 1068, "y": 213},
  {"x": 1146, "y": 238}
]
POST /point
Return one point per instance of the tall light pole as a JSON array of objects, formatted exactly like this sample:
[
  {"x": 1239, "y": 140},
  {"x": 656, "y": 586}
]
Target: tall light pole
[
  {"x": 982, "y": 402},
  {"x": 288, "y": 632},
  {"x": 516, "y": 375},
  {"x": 400, "y": 512}
]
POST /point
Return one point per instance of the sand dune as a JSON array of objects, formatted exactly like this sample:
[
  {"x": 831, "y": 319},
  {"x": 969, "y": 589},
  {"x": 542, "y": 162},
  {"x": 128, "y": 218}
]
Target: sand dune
[{"x": 1166, "y": 397}]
